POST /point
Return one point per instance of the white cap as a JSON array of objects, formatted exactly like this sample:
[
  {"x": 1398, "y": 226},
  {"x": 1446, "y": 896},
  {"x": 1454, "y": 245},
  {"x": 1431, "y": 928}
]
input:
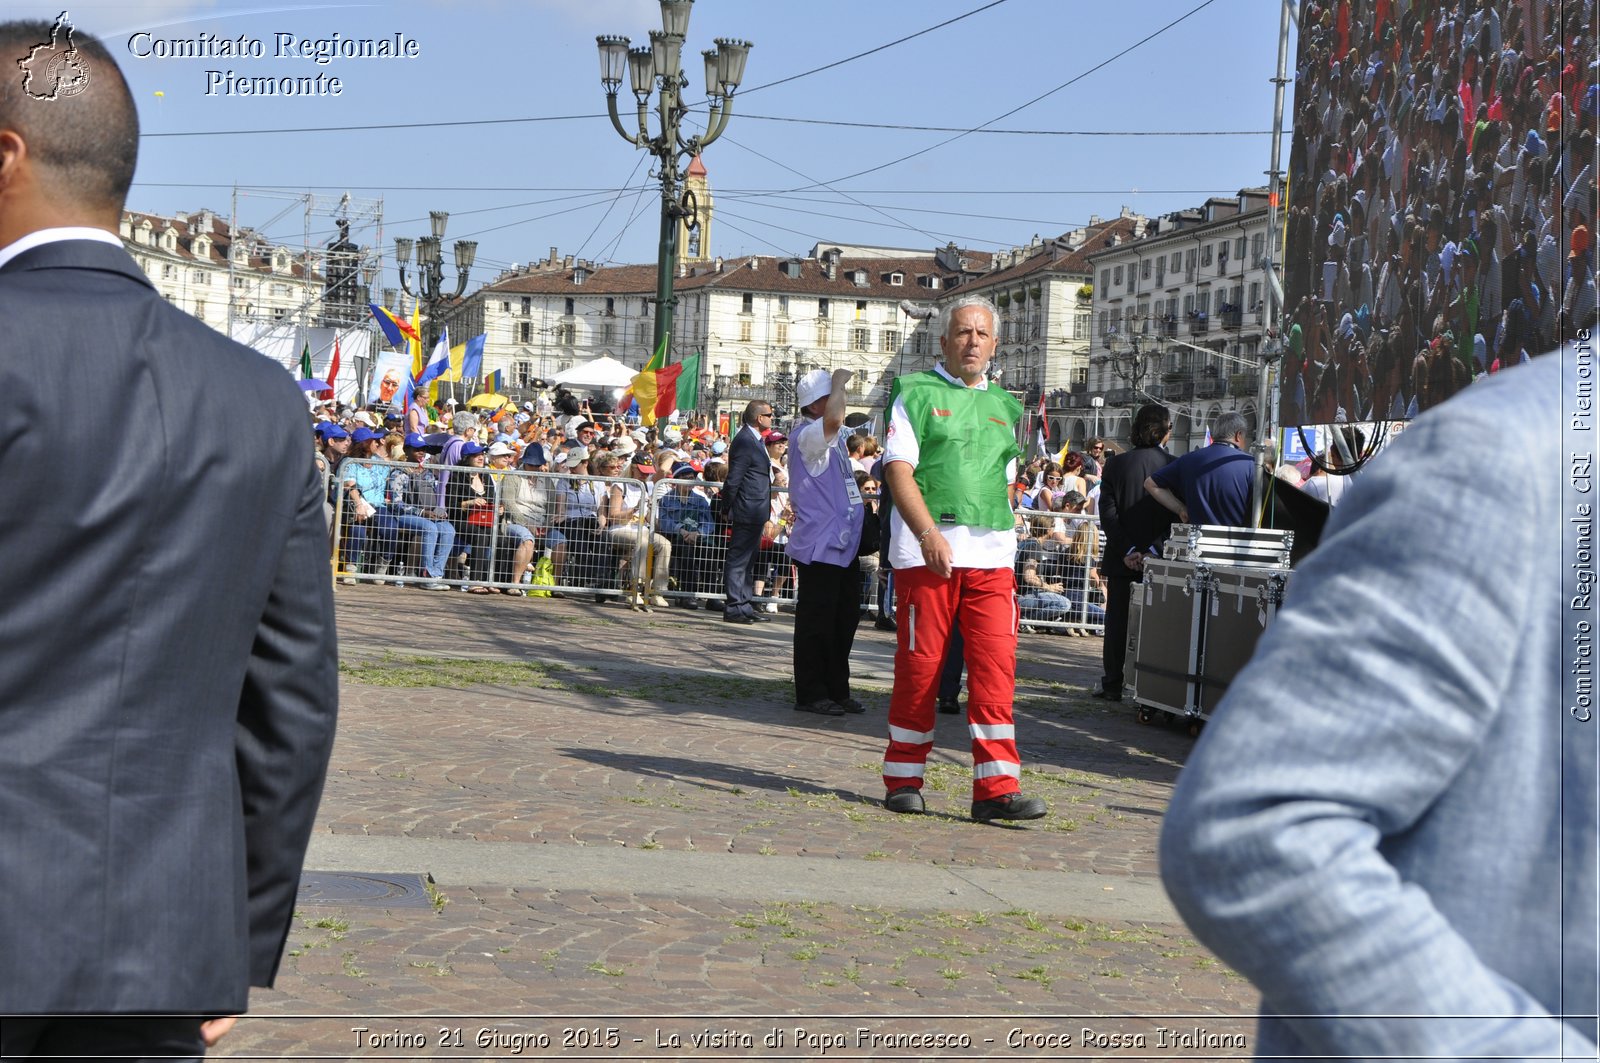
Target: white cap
[
  {"x": 500, "y": 449},
  {"x": 817, "y": 384}
]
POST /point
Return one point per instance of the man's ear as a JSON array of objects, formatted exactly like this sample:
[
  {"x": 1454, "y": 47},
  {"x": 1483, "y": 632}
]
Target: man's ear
[{"x": 13, "y": 156}]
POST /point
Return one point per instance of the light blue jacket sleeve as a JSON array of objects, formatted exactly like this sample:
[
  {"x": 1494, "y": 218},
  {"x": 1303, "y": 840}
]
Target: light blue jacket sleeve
[{"x": 1372, "y": 824}]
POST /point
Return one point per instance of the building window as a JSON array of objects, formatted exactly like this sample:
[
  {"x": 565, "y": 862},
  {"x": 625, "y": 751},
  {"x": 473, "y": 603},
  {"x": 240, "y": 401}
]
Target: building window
[
  {"x": 1176, "y": 262},
  {"x": 608, "y": 333},
  {"x": 1204, "y": 303},
  {"x": 1258, "y": 245},
  {"x": 527, "y": 305},
  {"x": 168, "y": 271},
  {"x": 783, "y": 306},
  {"x": 1205, "y": 255},
  {"x": 747, "y": 303},
  {"x": 200, "y": 309},
  {"x": 280, "y": 291},
  {"x": 239, "y": 282},
  {"x": 641, "y": 333},
  {"x": 569, "y": 308},
  {"x": 566, "y": 335},
  {"x": 744, "y": 374},
  {"x": 1080, "y": 326},
  {"x": 919, "y": 343},
  {"x": 745, "y": 327},
  {"x": 896, "y": 279},
  {"x": 822, "y": 332},
  {"x": 1238, "y": 248},
  {"x": 891, "y": 341},
  {"x": 780, "y": 332},
  {"x": 1144, "y": 270},
  {"x": 201, "y": 278},
  {"x": 1255, "y": 295},
  {"x": 611, "y": 307},
  {"x": 860, "y": 339},
  {"x": 861, "y": 309},
  {"x": 1116, "y": 277},
  {"x": 824, "y": 308},
  {"x": 1105, "y": 280},
  {"x": 521, "y": 374},
  {"x": 524, "y": 332}
]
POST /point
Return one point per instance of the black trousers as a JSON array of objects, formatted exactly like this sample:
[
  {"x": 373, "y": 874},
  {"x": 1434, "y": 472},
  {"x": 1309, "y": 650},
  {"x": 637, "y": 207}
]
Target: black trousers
[
  {"x": 92, "y": 1037},
  {"x": 738, "y": 574},
  {"x": 825, "y": 619},
  {"x": 1114, "y": 651}
]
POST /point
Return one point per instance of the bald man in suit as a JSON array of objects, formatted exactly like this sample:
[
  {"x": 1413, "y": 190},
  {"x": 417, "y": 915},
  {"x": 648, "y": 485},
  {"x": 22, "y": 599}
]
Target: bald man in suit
[{"x": 168, "y": 688}]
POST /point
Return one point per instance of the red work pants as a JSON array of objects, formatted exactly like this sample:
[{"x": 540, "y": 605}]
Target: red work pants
[{"x": 985, "y": 601}]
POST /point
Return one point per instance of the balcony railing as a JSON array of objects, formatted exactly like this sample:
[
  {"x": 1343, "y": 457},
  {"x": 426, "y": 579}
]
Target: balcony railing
[
  {"x": 1243, "y": 385},
  {"x": 1199, "y": 325},
  {"x": 1209, "y": 388}
]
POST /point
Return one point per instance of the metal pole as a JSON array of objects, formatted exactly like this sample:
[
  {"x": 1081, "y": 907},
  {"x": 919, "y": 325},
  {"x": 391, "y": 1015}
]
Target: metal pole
[
  {"x": 667, "y": 252},
  {"x": 1271, "y": 347}
]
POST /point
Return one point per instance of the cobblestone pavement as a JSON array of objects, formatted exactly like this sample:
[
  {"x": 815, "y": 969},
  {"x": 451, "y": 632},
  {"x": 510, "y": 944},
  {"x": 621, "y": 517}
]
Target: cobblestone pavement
[{"x": 568, "y": 730}]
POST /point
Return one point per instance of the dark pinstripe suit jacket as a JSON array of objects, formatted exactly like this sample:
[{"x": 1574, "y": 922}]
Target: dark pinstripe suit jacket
[{"x": 168, "y": 673}]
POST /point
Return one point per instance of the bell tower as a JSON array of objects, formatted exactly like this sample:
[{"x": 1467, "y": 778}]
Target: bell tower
[{"x": 694, "y": 230}]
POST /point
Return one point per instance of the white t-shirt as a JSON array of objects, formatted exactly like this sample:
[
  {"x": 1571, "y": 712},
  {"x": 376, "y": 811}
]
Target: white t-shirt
[{"x": 969, "y": 547}]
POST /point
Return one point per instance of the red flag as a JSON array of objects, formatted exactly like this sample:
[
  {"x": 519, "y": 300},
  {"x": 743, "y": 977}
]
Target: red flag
[
  {"x": 1044, "y": 425},
  {"x": 333, "y": 369}
]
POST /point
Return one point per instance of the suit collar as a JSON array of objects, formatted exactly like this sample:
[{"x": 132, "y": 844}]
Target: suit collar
[{"x": 76, "y": 254}]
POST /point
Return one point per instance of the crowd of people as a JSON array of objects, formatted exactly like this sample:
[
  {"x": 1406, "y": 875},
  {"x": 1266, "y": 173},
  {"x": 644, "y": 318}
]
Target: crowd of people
[
  {"x": 1441, "y": 199},
  {"x": 416, "y": 511}
]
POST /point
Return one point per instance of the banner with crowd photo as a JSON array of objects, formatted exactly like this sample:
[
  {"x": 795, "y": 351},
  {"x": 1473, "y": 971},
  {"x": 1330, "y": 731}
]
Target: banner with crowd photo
[{"x": 1440, "y": 200}]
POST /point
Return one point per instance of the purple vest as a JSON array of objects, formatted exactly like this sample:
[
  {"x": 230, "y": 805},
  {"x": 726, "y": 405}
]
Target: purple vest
[{"x": 827, "y": 525}]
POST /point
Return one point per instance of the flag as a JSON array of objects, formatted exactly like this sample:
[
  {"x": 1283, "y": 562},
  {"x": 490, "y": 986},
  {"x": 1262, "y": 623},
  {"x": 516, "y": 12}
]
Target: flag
[
  {"x": 305, "y": 362},
  {"x": 439, "y": 363},
  {"x": 415, "y": 336},
  {"x": 333, "y": 369},
  {"x": 472, "y": 357},
  {"x": 491, "y": 383},
  {"x": 394, "y": 329},
  {"x": 657, "y": 360},
  {"x": 661, "y": 391},
  {"x": 1044, "y": 424}
]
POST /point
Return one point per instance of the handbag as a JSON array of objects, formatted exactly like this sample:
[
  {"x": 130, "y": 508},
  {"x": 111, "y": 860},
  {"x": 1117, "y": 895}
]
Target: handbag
[{"x": 482, "y": 516}]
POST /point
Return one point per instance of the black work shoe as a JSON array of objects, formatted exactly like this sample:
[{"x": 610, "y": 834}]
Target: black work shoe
[
  {"x": 1008, "y": 806},
  {"x": 1106, "y": 695},
  {"x": 949, "y": 705},
  {"x": 821, "y": 708},
  {"x": 886, "y": 623},
  {"x": 851, "y": 705},
  {"x": 906, "y": 800},
  {"x": 739, "y": 618}
]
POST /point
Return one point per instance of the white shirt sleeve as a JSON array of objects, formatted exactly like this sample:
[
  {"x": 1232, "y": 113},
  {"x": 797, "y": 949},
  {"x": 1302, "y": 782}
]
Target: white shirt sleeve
[{"x": 902, "y": 442}]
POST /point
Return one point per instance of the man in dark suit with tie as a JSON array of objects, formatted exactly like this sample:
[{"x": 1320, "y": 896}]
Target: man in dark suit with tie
[
  {"x": 1135, "y": 525},
  {"x": 747, "y": 501},
  {"x": 168, "y": 687}
]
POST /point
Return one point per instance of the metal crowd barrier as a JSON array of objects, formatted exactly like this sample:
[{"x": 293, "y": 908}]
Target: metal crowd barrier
[{"x": 676, "y": 524}]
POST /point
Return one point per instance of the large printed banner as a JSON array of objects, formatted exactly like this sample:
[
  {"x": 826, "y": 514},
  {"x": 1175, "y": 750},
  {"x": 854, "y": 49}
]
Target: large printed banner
[{"x": 1441, "y": 196}]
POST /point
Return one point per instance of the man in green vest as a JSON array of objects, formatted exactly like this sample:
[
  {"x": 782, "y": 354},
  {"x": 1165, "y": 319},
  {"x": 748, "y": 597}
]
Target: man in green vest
[{"x": 950, "y": 459}]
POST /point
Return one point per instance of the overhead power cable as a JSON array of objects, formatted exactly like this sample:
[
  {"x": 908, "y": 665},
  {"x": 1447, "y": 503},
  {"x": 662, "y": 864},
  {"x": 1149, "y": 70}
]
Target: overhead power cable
[{"x": 1020, "y": 107}]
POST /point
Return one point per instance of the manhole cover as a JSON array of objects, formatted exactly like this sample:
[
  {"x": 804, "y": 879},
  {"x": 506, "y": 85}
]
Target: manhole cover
[{"x": 345, "y": 889}]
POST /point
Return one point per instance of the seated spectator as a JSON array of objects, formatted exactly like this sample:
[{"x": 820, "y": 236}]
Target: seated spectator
[
  {"x": 469, "y": 499},
  {"x": 684, "y": 516},
  {"x": 413, "y": 503},
  {"x": 367, "y": 530},
  {"x": 533, "y": 508},
  {"x": 1041, "y": 599},
  {"x": 627, "y": 511}
]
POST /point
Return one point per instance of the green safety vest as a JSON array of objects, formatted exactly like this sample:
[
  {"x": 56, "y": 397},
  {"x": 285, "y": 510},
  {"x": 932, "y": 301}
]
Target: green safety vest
[{"x": 966, "y": 437}]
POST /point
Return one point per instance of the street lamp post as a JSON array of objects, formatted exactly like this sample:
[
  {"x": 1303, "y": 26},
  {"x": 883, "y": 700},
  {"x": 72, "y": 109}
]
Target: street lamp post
[
  {"x": 429, "y": 290},
  {"x": 660, "y": 67}
]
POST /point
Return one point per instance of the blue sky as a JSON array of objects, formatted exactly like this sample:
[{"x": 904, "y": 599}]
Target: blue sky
[{"x": 568, "y": 181}]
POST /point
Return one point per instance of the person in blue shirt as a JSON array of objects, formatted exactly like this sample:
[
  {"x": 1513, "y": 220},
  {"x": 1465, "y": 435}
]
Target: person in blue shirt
[{"x": 1210, "y": 485}]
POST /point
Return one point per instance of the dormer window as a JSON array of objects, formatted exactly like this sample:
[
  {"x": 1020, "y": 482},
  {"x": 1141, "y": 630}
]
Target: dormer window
[
  {"x": 858, "y": 278},
  {"x": 896, "y": 279},
  {"x": 579, "y": 275}
]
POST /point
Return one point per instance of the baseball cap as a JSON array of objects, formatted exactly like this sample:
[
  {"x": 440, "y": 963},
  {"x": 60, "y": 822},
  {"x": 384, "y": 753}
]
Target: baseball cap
[
  {"x": 363, "y": 434},
  {"x": 718, "y": 446},
  {"x": 771, "y": 436},
  {"x": 684, "y": 471},
  {"x": 576, "y": 455},
  {"x": 418, "y": 441},
  {"x": 332, "y": 430},
  {"x": 469, "y": 449},
  {"x": 641, "y": 461}
]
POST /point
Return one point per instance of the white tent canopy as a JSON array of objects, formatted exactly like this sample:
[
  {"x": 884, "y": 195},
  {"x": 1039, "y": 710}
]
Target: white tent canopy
[{"x": 604, "y": 372}]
